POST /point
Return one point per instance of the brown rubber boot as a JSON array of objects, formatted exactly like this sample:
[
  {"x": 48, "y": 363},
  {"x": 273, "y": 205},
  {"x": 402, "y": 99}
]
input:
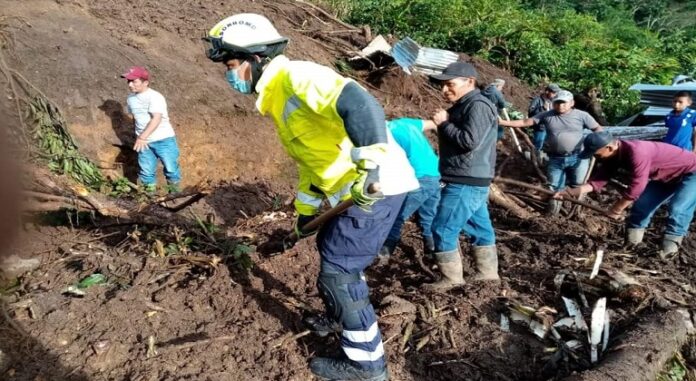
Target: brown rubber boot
[
  {"x": 486, "y": 263},
  {"x": 450, "y": 265}
]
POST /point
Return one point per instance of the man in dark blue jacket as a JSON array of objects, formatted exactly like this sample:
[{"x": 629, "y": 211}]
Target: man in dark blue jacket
[
  {"x": 467, "y": 137},
  {"x": 494, "y": 92}
]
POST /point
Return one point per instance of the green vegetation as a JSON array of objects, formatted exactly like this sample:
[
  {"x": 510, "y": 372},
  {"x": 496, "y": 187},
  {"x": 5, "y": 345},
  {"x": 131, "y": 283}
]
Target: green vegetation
[
  {"x": 58, "y": 147},
  {"x": 674, "y": 370},
  {"x": 578, "y": 44}
]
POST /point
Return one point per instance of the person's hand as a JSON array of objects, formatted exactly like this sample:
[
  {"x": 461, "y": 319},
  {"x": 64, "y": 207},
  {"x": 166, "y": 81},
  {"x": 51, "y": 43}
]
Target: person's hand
[
  {"x": 440, "y": 117},
  {"x": 567, "y": 193},
  {"x": 300, "y": 222},
  {"x": 365, "y": 190},
  {"x": 614, "y": 215},
  {"x": 140, "y": 145}
]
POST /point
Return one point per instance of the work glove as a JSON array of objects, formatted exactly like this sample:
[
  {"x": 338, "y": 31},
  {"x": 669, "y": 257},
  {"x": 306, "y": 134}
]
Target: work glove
[
  {"x": 300, "y": 222},
  {"x": 366, "y": 158},
  {"x": 361, "y": 192}
]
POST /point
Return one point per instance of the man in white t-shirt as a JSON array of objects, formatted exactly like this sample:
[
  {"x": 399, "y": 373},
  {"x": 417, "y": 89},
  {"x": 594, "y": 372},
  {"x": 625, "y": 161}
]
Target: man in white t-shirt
[{"x": 155, "y": 136}]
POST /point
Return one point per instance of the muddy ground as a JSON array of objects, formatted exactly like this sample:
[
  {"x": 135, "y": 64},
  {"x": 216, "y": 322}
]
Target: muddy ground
[
  {"x": 206, "y": 316},
  {"x": 219, "y": 322}
]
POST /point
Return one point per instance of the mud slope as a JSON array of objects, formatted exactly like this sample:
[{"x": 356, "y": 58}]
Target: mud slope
[{"x": 74, "y": 51}]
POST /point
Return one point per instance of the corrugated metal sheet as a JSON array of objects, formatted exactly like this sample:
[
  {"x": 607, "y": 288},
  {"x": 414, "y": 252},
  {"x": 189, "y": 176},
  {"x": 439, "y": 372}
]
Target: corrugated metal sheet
[
  {"x": 657, "y": 111},
  {"x": 660, "y": 95},
  {"x": 411, "y": 56}
]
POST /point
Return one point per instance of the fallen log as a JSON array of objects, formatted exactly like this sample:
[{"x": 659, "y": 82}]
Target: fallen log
[
  {"x": 503, "y": 180},
  {"x": 645, "y": 350},
  {"x": 47, "y": 195},
  {"x": 635, "y": 132},
  {"x": 498, "y": 197}
]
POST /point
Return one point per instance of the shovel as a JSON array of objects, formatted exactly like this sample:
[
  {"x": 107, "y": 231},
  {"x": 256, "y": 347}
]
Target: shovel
[
  {"x": 512, "y": 131},
  {"x": 292, "y": 238}
]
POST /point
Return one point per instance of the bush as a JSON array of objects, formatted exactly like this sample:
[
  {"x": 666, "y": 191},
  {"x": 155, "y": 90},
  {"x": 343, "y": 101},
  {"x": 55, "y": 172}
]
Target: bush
[{"x": 539, "y": 40}]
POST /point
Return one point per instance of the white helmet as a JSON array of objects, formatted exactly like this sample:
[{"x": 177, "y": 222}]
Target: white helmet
[{"x": 242, "y": 35}]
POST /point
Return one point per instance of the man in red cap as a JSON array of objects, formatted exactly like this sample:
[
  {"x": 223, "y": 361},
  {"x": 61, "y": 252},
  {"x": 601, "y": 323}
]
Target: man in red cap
[{"x": 155, "y": 136}]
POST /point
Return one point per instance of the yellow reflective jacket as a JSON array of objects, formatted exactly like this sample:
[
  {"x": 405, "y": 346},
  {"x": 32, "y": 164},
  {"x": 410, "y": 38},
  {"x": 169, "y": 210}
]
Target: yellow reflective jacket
[{"x": 301, "y": 98}]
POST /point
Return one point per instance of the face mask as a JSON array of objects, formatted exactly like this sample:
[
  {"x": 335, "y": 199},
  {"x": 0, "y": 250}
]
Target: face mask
[{"x": 238, "y": 84}]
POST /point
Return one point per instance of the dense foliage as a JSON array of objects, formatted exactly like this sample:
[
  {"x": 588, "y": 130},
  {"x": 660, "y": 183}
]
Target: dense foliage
[{"x": 576, "y": 43}]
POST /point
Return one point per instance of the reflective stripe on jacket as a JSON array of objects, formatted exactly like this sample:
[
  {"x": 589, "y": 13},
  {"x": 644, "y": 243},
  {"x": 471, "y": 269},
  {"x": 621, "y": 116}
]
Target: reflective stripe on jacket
[{"x": 301, "y": 98}]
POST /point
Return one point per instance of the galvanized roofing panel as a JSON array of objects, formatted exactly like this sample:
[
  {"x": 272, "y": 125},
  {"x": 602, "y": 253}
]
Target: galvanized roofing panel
[
  {"x": 661, "y": 95},
  {"x": 411, "y": 56}
]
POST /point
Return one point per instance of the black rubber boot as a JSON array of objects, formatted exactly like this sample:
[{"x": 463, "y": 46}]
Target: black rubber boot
[
  {"x": 429, "y": 246},
  {"x": 345, "y": 370},
  {"x": 321, "y": 325}
]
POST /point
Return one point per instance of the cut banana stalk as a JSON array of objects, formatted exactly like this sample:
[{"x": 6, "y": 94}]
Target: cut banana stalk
[
  {"x": 597, "y": 263},
  {"x": 597, "y": 328}
]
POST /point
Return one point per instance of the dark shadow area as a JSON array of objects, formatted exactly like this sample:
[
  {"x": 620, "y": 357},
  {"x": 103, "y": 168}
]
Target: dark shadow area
[
  {"x": 234, "y": 201},
  {"x": 289, "y": 317},
  {"x": 123, "y": 128},
  {"x": 23, "y": 358}
]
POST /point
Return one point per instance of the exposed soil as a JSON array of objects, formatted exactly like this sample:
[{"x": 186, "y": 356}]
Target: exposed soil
[{"x": 215, "y": 321}]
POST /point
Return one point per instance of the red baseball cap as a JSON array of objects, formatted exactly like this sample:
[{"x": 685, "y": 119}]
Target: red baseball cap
[{"x": 136, "y": 72}]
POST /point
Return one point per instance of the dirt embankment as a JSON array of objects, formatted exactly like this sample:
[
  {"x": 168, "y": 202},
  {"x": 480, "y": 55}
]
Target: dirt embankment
[{"x": 74, "y": 51}]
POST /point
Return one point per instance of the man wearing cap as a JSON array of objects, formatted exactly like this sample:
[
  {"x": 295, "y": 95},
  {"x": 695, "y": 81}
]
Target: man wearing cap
[
  {"x": 541, "y": 103},
  {"x": 660, "y": 173},
  {"x": 155, "y": 138},
  {"x": 564, "y": 127},
  {"x": 467, "y": 136}
]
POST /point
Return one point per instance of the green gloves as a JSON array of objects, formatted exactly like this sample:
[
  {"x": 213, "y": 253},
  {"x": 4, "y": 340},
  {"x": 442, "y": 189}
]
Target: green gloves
[
  {"x": 366, "y": 159},
  {"x": 360, "y": 191},
  {"x": 300, "y": 222}
]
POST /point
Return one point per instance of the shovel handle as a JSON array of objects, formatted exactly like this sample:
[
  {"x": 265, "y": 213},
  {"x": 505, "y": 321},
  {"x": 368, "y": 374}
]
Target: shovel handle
[
  {"x": 331, "y": 213},
  {"x": 322, "y": 218}
]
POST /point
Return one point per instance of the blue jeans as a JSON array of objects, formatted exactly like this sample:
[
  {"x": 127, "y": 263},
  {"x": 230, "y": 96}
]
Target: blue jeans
[
  {"x": 165, "y": 150},
  {"x": 562, "y": 170},
  {"x": 462, "y": 207},
  {"x": 681, "y": 197},
  {"x": 539, "y": 138},
  {"x": 424, "y": 200}
]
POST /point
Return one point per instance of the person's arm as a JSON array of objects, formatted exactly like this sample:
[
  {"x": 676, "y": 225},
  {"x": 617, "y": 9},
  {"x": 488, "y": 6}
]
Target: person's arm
[
  {"x": 472, "y": 130},
  {"x": 363, "y": 117},
  {"x": 693, "y": 136},
  {"x": 618, "y": 207},
  {"x": 599, "y": 179},
  {"x": 429, "y": 125},
  {"x": 522, "y": 123},
  {"x": 141, "y": 141},
  {"x": 640, "y": 176},
  {"x": 590, "y": 123},
  {"x": 366, "y": 127}
]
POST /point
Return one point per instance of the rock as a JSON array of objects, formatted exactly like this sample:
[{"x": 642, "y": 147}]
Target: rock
[{"x": 14, "y": 265}]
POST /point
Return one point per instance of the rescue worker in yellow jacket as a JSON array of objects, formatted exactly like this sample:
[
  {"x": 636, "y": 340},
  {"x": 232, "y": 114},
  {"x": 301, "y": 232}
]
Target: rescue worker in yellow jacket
[{"x": 336, "y": 132}]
